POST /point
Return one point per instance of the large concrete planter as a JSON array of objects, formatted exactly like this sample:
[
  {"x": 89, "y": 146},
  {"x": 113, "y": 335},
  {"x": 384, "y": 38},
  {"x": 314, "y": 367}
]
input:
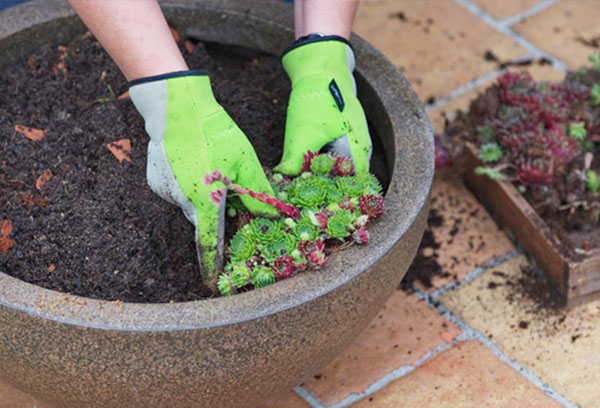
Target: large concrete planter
[{"x": 229, "y": 352}]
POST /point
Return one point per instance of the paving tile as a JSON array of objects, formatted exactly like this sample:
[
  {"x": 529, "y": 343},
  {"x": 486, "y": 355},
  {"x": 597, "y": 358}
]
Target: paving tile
[
  {"x": 468, "y": 375},
  {"x": 437, "y": 44},
  {"x": 564, "y": 29},
  {"x": 438, "y": 116},
  {"x": 502, "y": 9},
  {"x": 10, "y": 397},
  {"x": 403, "y": 332},
  {"x": 291, "y": 400},
  {"x": 560, "y": 347},
  {"x": 468, "y": 236}
]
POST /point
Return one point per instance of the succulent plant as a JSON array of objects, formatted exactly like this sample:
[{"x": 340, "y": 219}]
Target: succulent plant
[
  {"x": 282, "y": 245},
  {"x": 321, "y": 218},
  {"x": 244, "y": 218},
  {"x": 262, "y": 276},
  {"x": 306, "y": 230},
  {"x": 344, "y": 167},
  {"x": 361, "y": 236},
  {"x": 595, "y": 94},
  {"x": 492, "y": 174},
  {"x": 242, "y": 246},
  {"x": 595, "y": 59},
  {"x": 264, "y": 230},
  {"x": 326, "y": 201},
  {"x": 308, "y": 156},
  {"x": 314, "y": 251},
  {"x": 592, "y": 181},
  {"x": 350, "y": 186},
  {"x": 370, "y": 184},
  {"x": 347, "y": 204},
  {"x": 308, "y": 193},
  {"x": 338, "y": 225},
  {"x": 283, "y": 267},
  {"x": 224, "y": 285},
  {"x": 490, "y": 152},
  {"x": 371, "y": 205},
  {"x": 240, "y": 276},
  {"x": 322, "y": 164},
  {"x": 577, "y": 130}
]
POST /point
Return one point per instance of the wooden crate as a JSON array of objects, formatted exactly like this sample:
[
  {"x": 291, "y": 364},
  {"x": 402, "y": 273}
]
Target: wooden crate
[{"x": 577, "y": 281}]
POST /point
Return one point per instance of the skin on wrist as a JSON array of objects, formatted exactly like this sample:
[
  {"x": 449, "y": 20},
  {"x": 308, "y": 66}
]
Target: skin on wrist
[
  {"x": 134, "y": 33},
  {"x": 330, "y": 17}
]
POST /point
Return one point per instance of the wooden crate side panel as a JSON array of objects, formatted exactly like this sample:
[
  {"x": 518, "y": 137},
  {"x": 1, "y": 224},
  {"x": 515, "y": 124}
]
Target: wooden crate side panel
[
  {"x": 514, "y": 211},
  {"x": 584, "y": 277}
]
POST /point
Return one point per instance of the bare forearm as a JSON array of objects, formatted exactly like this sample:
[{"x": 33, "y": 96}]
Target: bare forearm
[
  {"x": 134, "y": 33},
  {"x": 329, "y": 17}
]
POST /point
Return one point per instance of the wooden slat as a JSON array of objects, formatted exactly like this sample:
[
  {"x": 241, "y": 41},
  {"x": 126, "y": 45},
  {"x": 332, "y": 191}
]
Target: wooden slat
[
  {"x": 512, "y": 210},
  {"x": 584, "y": 277},
  {"x": 578, "y": 281}
]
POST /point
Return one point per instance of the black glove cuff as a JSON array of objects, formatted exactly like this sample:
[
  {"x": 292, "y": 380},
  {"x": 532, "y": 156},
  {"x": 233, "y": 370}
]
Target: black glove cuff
[{"x": 316, "y": 37}]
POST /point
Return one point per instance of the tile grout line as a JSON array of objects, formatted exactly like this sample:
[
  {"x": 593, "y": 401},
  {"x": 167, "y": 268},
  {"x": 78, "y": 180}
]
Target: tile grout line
[
  {"x": 463, "y": 89},
  {"x": 474, "y": 273},
  {"x": 517, "y": 18},
  {"x": 309, "y": 397},
  {"x": 504, "y": 28},
  {"x": 471, "y": 333},
  {"x": 386, "y": 379},
  {"x": 498, "y": 26},
  {"x": 401, "y": 371}
]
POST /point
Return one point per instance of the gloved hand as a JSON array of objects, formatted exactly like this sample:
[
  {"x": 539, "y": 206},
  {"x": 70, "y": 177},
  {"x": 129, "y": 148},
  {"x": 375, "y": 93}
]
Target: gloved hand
[
  {"x": 323, "y": 110},
  {"x": 190, "y": 136}
]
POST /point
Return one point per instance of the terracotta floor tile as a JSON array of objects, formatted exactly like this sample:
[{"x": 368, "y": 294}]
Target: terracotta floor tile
[
  {"x": 562, "y": 30},
  {"x": 561, "y": 347},
  {"x": 466, "y": 376},
  {"x": 10, "y": 397},
  {"x": 404, "y": 331},
  {"x": 503, "y": 9},
  {"x": 292, "y": 400},
  {"x": 437, "y": 44},
  {"x": 468, "y": 236},
  {"x": 438, "y": 116}
]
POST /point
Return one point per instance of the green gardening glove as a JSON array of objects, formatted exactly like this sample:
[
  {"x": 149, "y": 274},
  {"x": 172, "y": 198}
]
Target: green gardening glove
[
  {"x": 191, "y": 135},
  {"x": 323, "y": 111}
]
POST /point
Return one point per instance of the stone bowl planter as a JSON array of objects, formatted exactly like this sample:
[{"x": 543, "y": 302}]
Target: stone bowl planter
[{"x": 70, "y": 351}]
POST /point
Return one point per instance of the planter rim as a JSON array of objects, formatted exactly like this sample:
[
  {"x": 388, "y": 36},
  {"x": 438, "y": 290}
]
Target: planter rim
[{"x": 106, "y": 315}]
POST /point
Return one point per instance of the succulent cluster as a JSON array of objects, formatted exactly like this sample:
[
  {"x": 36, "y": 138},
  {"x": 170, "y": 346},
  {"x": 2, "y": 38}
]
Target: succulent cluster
[
  {"x": 327, "y": 203},
  {"x": 539, "y": 130},
  {"x": 534, "y": 130},
  {"x": 544, "y": 138}
]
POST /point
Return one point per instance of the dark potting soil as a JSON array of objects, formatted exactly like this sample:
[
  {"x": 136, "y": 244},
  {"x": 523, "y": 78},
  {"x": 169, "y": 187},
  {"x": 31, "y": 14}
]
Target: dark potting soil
[
  {"x": 94, "y": 228},
  {"x": 577, "y": 229},
  {"x": 425, "y": 267}
]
